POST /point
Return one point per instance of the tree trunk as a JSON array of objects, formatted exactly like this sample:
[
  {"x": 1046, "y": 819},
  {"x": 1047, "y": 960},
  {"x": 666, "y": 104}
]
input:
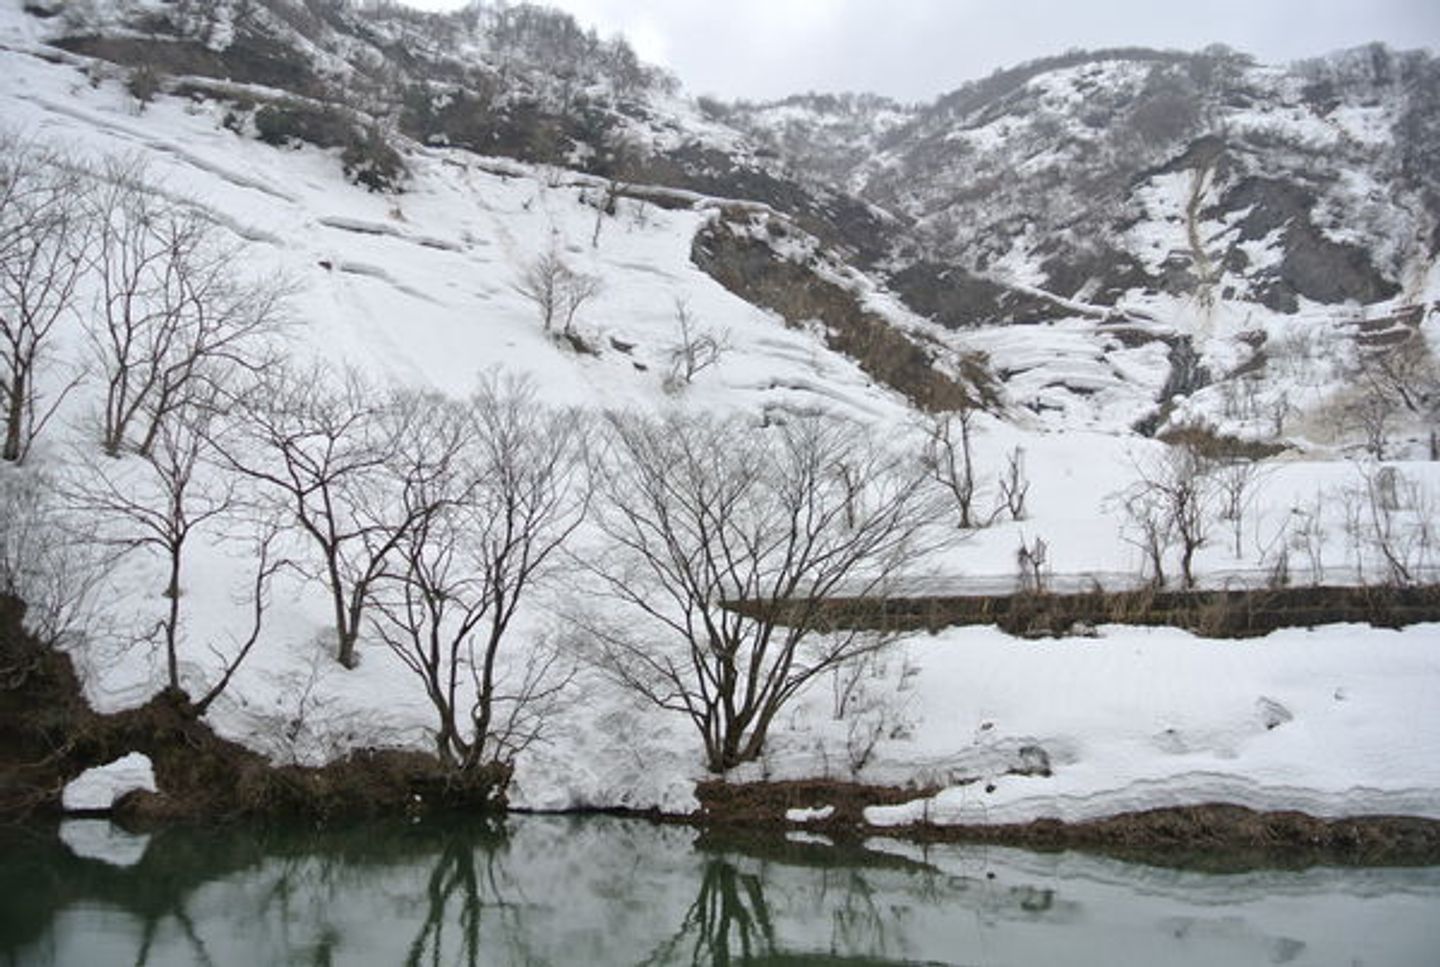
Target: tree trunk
[
  {"x": 345, "y": 632},
  {"x": 1185, "y": 571},
  {"x": 15, "y": 419},
  {"x": 172, "y": 591}
]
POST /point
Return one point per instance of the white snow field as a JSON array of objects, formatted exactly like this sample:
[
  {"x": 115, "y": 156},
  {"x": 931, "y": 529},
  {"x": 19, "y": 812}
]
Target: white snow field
[{"x": 419, "y": 290}]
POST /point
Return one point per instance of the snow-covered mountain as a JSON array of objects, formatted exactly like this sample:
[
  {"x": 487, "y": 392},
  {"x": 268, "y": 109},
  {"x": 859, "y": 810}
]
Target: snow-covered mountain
[
  {"x": 1201, "y": 195},
  {"x": 1083, "y": 246},
  {"x": 1197, "y": 206}
]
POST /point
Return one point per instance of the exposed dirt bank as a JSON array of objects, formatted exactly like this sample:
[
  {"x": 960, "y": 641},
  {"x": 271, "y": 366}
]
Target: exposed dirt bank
[
  {"x": 49, "y": 735},
  {"x": 1213, "y": 835}
]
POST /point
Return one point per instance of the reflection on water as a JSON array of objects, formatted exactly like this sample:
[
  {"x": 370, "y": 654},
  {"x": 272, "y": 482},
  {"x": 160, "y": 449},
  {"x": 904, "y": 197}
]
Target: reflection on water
[{"x": 554, "y": 890}]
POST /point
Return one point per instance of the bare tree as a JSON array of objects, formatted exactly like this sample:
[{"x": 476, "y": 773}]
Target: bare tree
[
  {"x": 1014, "y": 484},
  {"x": 1368, "y": 412},
  {"x": 696, "y": 350},
  {"x": 53, "y": 573},
  {"x": 519, "y": 489},
  {"x": 950, "y": 461},
  {"x": 344, "y": 462},
  {"x": 1170, "y": 505},
  {"x": 541, "y": 283},
  {"x": 725, "y": 542},
  {"x": 1171, "y": 502},
  {"x": 577, "y": 290},
  {"x": 43, "y": 241},
  {"x": 1395, "y": 517},
  {"x": 620, "y": 160},
  {"x": 1149, "y": 528},
  {"x": 160, "y": 501},
  {"x": 557, "y": 290},
  {"x": 173, "y": 311},
  {"x": 1235, "y": 481},
  {"x": 1406, "y": 375},
  {"x": 1388, "y": 386}
]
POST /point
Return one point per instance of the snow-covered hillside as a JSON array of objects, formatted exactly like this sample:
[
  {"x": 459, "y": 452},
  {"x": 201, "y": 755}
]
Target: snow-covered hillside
[
  {"x": 1201, "y": 196},
  {"x": 423, "y": 289}
]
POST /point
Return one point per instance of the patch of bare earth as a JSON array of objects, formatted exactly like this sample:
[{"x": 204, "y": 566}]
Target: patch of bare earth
[
  {"x": 49, "y": 735},
  {"x": 1214, "y": 835}
]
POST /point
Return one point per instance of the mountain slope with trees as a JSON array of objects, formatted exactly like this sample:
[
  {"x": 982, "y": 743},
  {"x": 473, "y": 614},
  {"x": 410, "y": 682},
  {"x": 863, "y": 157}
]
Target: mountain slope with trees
[{"x": 456, "y": 383}]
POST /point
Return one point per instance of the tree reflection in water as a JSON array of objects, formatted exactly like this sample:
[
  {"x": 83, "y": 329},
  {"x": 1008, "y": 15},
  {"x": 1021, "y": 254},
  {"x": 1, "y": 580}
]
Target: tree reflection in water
[
  {"x": 549, "y": 890},
  {"x": 728, "y": 918},
  {"x": 467, "y": 882},
  {"x": 731, "y": 922}
]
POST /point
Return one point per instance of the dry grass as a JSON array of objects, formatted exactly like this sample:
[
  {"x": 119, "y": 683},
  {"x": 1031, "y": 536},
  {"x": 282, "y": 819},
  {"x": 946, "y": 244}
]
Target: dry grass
[{"x": 1209, "y": 613}]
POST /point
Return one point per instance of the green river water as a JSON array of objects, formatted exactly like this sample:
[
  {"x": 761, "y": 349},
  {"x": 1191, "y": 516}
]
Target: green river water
[{"x": 602, "y": 890}]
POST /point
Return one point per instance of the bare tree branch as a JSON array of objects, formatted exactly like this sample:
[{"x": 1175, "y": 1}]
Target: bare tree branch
[
  {"x": 43, "y": 247},
  {"x": 173, "y": 314},
  {"x": 344, "y": 461}
]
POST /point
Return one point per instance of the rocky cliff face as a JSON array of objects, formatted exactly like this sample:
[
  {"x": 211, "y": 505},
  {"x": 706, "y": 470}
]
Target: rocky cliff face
[
  {"x": 1234, "y": 209},
  {"x": 1119, "y": 174}
]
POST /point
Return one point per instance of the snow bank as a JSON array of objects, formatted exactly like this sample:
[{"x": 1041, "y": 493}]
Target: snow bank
[
  {"x": 97, "y": 789},
  {"x": 1336, "y": 722}
]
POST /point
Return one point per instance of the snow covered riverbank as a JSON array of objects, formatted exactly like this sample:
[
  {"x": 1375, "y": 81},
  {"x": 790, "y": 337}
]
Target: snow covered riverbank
[{"x": 1339, "y": 721}]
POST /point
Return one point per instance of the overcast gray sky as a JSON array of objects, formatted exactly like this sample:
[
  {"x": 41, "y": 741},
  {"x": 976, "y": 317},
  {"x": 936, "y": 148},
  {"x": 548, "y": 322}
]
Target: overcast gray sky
[{"x": 916, "y": 49}]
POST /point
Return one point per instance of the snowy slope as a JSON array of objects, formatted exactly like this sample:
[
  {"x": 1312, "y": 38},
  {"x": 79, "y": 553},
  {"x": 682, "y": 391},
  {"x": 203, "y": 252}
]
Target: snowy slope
[
  {"x": 1200, "y": 196},
  {"x": 419, "y": 289}
]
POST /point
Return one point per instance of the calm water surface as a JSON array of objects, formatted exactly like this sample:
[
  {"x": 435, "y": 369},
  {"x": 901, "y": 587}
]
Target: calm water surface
[{"x": 598, "y": 891}]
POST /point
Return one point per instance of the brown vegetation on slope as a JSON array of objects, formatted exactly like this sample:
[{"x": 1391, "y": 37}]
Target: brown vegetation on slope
[{"x": 49, "y": 735}]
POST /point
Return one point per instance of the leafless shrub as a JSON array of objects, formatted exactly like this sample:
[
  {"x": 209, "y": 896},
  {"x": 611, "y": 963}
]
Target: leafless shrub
[
  {"x": 1279, "y": 574},
  {"x": 1030, "y": 562},
  {"x": 1235, "y": 482},
  {"x": 696, "y": 350},
  {"x": 1280, "y": 410},
  {"x": 55, "y": 573},
  {"x": 1303, "y": 355},
  {"x": 869, "y": 705},
  {"x": 557, "y": 290},
  {"x": 1014, "y": 484},
  {"x": 1307, "y": 537}
]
